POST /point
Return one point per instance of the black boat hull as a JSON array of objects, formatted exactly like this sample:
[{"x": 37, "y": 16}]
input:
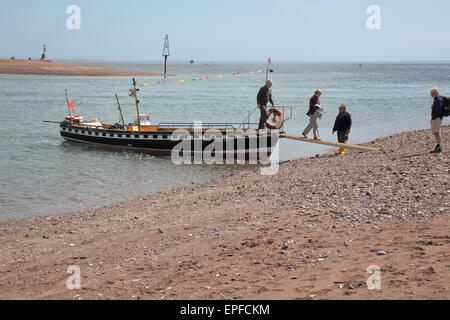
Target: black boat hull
[{"x": 247, "y": 146}]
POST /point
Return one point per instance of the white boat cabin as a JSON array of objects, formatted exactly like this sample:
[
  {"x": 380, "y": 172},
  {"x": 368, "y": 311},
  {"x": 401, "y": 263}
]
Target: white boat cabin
[{"x": 145, "y": 120}]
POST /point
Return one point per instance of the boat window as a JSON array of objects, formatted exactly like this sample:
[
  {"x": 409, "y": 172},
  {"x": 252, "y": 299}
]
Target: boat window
[
  {"x": 155, "y": 136},
  {"x": 76, "y": 130},
  {"x": 104, "y": 134},
  {"x": 96, "y": 133},
  {"x": 127, "y": 135},
  {"x": 70, "y": 130},
  {"x": 89, "y": 133},
  {"x": 136, "y": 136},
  {"x": 145, "y": 136},
  {"x": 165, "y": 136},
  {"x": 119, "y": 135},
  {"x": 82, "y": 131},
  {"x": 64, "y": 129},
  {"x": 111, "y": 134}
]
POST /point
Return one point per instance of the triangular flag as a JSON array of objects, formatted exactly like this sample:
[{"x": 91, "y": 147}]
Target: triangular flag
[{"x": 70, "y": 104}]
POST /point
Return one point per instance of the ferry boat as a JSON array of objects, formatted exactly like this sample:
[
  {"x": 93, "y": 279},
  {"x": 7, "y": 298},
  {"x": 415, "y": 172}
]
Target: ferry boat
[{"x": 239, "y": 140}]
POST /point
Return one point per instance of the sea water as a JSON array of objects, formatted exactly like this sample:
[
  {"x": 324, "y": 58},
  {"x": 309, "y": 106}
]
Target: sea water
[{"x": 42, "y": 174}]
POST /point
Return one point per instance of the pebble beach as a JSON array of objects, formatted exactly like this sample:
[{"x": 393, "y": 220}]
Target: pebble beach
[{"x": 309, "y": 232}]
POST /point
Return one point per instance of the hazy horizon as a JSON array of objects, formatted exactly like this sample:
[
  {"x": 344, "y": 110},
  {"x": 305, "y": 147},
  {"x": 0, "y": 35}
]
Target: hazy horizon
[{"x": 261, "y": 61}]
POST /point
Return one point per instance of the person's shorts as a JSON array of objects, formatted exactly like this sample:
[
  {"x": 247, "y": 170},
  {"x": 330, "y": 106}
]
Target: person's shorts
[{"x": 436, "y": 125}]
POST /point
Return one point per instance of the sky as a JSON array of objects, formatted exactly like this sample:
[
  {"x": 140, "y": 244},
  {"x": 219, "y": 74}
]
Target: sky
[{"x": 245, "y": 30}]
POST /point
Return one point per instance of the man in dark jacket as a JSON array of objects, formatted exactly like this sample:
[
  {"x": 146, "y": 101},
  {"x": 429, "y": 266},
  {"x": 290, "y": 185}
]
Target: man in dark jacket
[
  {"x": 263, "y": 97},
  {"x": 437, "y": 113},
  {"x": 342, "y": 125}
]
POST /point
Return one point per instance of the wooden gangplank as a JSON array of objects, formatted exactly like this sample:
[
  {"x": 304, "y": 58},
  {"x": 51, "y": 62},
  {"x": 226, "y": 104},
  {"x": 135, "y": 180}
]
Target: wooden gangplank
[{"x": 328, "y": 143}]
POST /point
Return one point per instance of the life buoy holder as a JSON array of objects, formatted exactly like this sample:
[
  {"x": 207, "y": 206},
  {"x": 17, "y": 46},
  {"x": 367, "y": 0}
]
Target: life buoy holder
[{"x": 275, "y": 119}]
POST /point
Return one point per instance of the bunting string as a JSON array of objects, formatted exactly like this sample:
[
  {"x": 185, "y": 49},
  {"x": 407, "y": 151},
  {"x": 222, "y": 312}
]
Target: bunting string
[{"x": 199, "y": 79}]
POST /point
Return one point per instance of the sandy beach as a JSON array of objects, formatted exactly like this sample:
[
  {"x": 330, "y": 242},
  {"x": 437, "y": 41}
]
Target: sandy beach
[
  {"x": 36, "y": 67},
  {"x": 309, "y": 232}
]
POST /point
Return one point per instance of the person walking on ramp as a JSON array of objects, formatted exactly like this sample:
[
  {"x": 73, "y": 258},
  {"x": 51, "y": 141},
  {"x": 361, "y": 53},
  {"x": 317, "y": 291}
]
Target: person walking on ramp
[
  {"x": 314, "y": 113},
  {"x": 342, "y": 125},
  {"x": 263, "y": 97}
]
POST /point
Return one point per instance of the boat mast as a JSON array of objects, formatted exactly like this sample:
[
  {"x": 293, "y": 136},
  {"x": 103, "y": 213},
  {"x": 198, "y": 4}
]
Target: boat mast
[
  {"x": 120, "y": 109},
  {"x": 137, "y": 103},
  {"x": 269, "y": 61},
  {"x": 68, "y": 108}
]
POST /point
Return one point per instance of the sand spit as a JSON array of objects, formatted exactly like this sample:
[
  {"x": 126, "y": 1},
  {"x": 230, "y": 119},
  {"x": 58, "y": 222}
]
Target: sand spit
[{"x": 36, "y": 67}]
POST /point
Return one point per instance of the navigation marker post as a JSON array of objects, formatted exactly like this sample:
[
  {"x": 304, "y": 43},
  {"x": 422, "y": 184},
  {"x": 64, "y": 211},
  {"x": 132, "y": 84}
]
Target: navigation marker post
[{"x": 166, "y": 53}]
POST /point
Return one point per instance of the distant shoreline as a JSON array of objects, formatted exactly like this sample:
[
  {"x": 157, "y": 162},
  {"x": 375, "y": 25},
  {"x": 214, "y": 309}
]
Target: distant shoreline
[{"x": 37, "y": 67}]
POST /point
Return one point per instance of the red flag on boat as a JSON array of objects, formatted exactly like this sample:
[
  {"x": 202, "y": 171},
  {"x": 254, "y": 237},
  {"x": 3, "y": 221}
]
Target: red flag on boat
[{"x": 70, "y": 105}]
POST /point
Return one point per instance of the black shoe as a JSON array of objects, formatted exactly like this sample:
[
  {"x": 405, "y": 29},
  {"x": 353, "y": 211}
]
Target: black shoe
[
  {"x": 316, "y": 138},
  {"x": 438, "y": 149},
  {"x": 303, "y": 133}
]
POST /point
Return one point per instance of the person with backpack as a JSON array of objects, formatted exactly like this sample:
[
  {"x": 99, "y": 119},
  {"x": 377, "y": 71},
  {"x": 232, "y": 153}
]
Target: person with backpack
[{"x": 438, "y": 111}]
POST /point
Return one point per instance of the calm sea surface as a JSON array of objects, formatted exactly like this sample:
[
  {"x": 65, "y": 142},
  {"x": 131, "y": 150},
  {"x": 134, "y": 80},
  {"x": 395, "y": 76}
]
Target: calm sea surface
[{"x": 42, "y": 174}]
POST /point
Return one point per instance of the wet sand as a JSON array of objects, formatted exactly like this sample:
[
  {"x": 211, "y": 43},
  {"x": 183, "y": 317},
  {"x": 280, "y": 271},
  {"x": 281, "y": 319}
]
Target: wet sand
[
  {"x": 36, "y": 67},
  {"x": 309, "y": 232}
]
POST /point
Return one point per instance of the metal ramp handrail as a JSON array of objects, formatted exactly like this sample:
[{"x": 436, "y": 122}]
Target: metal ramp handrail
[
  {"x": 247, "y": 119},
  {"x": 245, "y": 124}
]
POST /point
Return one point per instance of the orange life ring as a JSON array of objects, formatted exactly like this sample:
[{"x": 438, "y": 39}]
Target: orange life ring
[
  {"x": 74, "y": 118},
  {"x": 275, "y": 119}
]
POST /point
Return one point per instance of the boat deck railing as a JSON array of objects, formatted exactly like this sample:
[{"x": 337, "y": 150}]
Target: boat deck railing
[
  {"x": 245, "y": 124},
  {"x": 283, "y": 109},
  {"x": 205, "y": 125}
]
